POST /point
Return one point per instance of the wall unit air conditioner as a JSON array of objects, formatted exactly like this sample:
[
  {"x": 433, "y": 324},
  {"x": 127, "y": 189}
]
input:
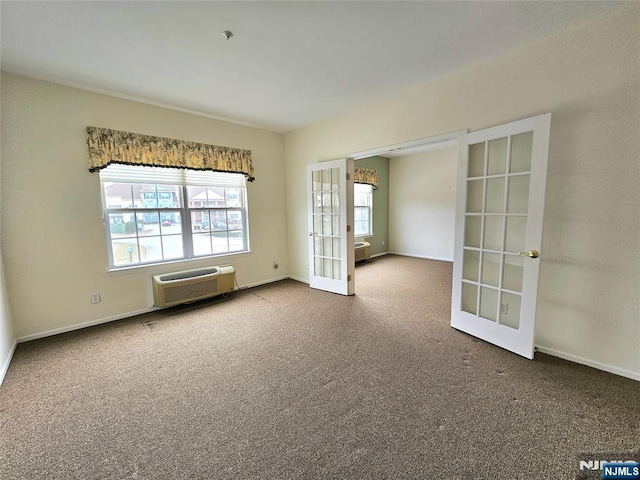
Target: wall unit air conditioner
[
  {"x": 363, "y": 251},
  {"x": 191, "y": 285}
]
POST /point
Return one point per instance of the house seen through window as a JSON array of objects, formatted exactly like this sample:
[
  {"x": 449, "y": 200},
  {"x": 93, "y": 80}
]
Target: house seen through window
[{"x": 154, "y": 215}]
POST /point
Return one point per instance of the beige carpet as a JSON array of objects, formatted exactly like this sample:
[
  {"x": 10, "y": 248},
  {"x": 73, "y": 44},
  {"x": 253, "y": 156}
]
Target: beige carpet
[{"x": 285, "y": 382}]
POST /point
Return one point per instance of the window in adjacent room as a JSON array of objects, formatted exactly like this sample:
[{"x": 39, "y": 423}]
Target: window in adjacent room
[
  {"x": 363, "y": 209},
  {"x": 155, "y": 215}
]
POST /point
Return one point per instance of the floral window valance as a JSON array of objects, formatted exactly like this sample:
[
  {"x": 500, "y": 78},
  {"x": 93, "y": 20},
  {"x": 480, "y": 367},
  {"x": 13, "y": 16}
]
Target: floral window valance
[
  {"x": 114, "y": 146},
  {"x": 367, "y": 176}
]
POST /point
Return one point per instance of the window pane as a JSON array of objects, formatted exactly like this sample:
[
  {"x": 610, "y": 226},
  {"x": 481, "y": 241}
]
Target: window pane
[
  {"x": 469, "y": 298},
  {"x": 513, "y": 273},
  {"x": 336, "y": 247},
  {"x": 317, "y": 202},
  {"x": 220, "y": 242},
  {"x": 493, "y": 227},
  {"x": 150, "y": 249},
  {"x": 510, "y": 310},
  {"x": 476, "y": 160},
  {"x": 337, "y": 274},
  {"x": 149, "y": 196},
  {"x": 326, "y": 224},
  {"x": 148, "y": 224},
  {"x": 491, "y": 269},
  {"x": 200, "y": 221},
  {"x": 234, "y": 219},
  {"x": 489, "y": 303},
  {"x": 495, "y": 195},
  {"x": 172, "y": 247},
  {"x": 471, "y": 265},
  {"x": 218, "y": 220},
  {"x": 335, "y": 179},
  {"x": 497, "y": 156},
  {"x": 234, "y": 197},
  {"x": 516, "y": 234},
  {"x": 326, "y": 202},
  {"x": 236, "y": 241},
  {"x": 170, "y": 223},
  {"x": 118, "y": 195},
  {"x": 518, "y": 201},
  {"x": 326, "y": 180},
  {"x": 201, "y": 243},
  {"x": 474, "y": 195},
  {"x": 122, "y": 224},
  {"x": 335, "y": 225},
  {"x": 125, "y": 252},
  {"x": 521, "y": 150},
  {"x": 327, "y": 246},
  {"x": 472, "y": 231},
  {"x": 318, "y": 246},
  {"x": 201, "y": 196}
]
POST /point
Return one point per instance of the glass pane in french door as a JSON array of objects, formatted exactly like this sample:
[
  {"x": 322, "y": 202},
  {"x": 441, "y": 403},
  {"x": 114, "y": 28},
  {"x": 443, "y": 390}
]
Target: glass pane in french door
[
  {"x": 325, "y": 192},
  {"x": 495, "y": 228}
]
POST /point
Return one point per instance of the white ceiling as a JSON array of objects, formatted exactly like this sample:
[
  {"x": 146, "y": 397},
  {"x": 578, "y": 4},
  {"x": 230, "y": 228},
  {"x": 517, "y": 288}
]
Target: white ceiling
[{"x": 289, "y": 63}]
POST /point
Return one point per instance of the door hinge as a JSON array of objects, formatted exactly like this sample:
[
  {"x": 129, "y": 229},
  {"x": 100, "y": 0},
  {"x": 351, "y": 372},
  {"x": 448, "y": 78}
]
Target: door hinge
[
  {"x": 348, "y": 228},
  {"x": 348, "y": 176},
  {"x": 348, "y": 278}
]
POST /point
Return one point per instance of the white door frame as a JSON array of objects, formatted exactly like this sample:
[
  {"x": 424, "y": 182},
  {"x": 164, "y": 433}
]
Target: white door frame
[{"x": 413, "y": 146}]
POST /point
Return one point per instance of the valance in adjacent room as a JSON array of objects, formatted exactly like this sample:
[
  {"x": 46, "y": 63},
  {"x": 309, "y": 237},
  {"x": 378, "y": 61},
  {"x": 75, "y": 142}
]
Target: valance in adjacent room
[
  {"x": 367, "y": 176},
  {"x": 107, "y": 146}
]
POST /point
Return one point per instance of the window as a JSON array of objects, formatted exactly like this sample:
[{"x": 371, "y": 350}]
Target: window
[
  {"x": 155, "y": 215},
  {"x": 363, "y": 209}
]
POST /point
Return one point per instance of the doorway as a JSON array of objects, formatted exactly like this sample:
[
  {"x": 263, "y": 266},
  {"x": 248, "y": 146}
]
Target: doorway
[{"x": 414, "y": 207}]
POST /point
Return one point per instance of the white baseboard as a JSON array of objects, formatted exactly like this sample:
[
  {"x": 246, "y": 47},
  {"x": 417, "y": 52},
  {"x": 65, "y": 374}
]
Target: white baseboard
[
  {"x": 7, "y": 361},
  {"x": 379, "y": 254},
  {"x": 78, "y": 326},
  {"x": 299, "y": 279},
  {"x": 264, "y": 282},
  {"x": 70, "y": 328},
  {"x": 590, "y": 363},
  {"x": 426, "y": 257}
]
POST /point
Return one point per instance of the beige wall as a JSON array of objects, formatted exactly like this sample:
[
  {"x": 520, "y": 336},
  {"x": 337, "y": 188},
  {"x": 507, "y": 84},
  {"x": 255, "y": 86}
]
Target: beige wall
[
  {"x": 588, "y": 77},
  {"x": 422, "y": 204},
  {"x": 52, "y": 234}
]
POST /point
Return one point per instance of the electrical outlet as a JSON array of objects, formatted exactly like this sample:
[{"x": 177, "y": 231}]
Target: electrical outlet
[
  {"x": 383, "y": 243},
  {"x": 95, "y": 297},
  {"x": 504, "y": 308}
]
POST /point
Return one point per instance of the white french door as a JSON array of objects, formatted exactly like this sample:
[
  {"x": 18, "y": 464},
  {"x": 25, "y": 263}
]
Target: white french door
[
  {"x": 331, "y": 243},
  {"x": 499, "y": 209}
]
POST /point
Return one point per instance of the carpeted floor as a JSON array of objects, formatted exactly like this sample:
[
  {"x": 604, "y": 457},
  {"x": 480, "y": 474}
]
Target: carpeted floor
[{"x": 285, "y": 382}]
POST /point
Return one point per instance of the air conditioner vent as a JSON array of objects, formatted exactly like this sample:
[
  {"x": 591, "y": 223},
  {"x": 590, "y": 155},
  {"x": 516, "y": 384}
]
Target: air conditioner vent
[
  {"x": 191, "y": 285},
  {"x": 363, "y": 251}
]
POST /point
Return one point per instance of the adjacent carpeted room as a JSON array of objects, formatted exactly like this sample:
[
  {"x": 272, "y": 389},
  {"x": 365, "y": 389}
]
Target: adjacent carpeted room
[{"x": 285, "y": 382}]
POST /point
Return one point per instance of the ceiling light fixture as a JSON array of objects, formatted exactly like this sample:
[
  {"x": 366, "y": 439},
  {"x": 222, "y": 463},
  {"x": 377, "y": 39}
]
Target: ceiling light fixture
[{"x": 227, "y": 34}]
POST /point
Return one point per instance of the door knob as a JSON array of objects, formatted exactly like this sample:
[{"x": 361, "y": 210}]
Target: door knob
[{"x": 530, "y": 254}]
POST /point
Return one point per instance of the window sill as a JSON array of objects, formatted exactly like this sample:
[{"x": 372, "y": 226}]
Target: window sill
[
  {"x": 362, "y": 237},
  {"x": 182, "y": 264}
]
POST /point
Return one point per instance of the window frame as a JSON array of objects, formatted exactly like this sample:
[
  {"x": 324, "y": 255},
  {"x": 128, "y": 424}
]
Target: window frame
[
  {"x": 368, "y": 208},
  {"x": 184, "y": 210}
]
